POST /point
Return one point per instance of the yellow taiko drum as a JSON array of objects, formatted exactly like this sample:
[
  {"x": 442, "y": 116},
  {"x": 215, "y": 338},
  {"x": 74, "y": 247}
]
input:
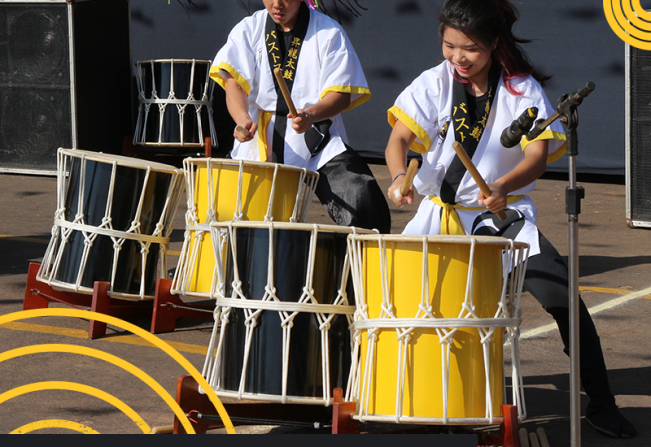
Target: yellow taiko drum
[
  {"x": 432, "y": 312},
  {"x": 222, "y": 190}
]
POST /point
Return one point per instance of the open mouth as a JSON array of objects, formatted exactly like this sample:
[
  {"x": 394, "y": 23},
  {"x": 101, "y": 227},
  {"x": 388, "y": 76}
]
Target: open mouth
[{"x": 462, "y": 68}]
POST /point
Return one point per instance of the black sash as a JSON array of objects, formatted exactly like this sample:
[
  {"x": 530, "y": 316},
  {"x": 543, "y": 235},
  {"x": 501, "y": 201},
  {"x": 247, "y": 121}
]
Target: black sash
[
  {"x": 287, "y": 63},
  {"x": 465, "y": 132}
]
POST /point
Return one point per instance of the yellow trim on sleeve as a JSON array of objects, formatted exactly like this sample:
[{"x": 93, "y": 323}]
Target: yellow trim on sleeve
[
  {"x": 364, "y": 91},
  {"x": 214, "y": 74},
  {"x": 395, "y": 113},
  {"x": 265, "y": 119},
  {"x": 549, "y": 135}
]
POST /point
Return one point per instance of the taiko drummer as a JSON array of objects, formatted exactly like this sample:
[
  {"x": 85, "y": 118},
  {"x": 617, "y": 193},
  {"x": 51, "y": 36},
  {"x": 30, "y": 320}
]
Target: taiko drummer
[
  {"x": 485, "y": 83},
  {"x": 324, "y": 78}
]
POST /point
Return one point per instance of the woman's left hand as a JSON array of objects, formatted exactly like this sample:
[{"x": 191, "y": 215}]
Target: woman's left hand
[
  {"x": 497, "y": 200},
  {"x": 302, "y": 121}
]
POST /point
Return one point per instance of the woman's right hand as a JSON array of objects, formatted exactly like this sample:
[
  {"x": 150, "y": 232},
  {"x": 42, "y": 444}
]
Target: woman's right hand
[
  {"x": 245, "y": 130},
  {"x": 396, "y": 197}
]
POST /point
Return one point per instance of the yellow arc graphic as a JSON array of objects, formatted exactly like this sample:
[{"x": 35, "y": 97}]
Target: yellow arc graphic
[
  {"x": 74, "y": 313},
  {"x": 92, "y": 391},
  {"x": 90, "y": 352},
  {"x": 630, "y": 22},
  {"x": 54, "y": 423}
]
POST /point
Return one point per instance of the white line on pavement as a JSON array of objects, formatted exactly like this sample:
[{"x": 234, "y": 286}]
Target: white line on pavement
[{"x": 593, "y": 310}]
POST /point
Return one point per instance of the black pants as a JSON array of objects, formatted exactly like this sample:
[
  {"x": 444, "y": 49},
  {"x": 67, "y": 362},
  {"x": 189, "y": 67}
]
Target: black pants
[
  {"x": 351, "y": 195},
  {"x": 546, "y": 279}
]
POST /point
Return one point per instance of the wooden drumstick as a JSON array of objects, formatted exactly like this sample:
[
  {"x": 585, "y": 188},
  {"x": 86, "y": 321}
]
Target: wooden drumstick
[
  {"x": 467, "y": 162},
  {"x": 285, "y": 90},
  {"x": 409, "y": 178},
  {"x": 244, "y": 131}
]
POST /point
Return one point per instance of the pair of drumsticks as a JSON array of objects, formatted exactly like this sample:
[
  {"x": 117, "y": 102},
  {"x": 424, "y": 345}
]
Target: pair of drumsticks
[
  {"x": 413, "y": 165},
  {"x": 467, "y": 162},
  {"x": 286, "y": 95}
]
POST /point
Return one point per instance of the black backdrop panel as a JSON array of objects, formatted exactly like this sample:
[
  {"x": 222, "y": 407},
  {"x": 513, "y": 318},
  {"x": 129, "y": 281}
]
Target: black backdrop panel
[
  {"x": 639, "y": 151},
  {"x": 36, "y": 91},
  {"x": 396, "y": 40}
]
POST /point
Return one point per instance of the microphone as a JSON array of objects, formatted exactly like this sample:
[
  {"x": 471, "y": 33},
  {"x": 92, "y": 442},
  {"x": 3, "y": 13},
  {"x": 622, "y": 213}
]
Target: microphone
[{"x": 519, "y": 127}]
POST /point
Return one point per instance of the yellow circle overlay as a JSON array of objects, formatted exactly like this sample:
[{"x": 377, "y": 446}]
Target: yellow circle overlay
[
  {"x": 154, "y": 340},
  {"x": 54, "y": 423},
  {"x": 116, "y": 361},
  {"x": 630, "y": 22},
  {"x": 91, "y": 391}
]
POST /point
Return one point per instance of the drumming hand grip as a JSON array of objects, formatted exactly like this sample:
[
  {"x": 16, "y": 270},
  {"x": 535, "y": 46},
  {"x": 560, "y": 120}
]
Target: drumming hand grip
[
  {"x": 244, "y": 131},
  {"x": 467, "y": 162},
  {"x": 409, "y": 177},
  {"x": 285, "y": 90}
]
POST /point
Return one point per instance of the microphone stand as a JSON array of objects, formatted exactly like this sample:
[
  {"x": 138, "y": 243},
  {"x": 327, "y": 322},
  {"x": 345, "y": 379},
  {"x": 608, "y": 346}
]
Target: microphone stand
[{"x": 569, "y": 117}]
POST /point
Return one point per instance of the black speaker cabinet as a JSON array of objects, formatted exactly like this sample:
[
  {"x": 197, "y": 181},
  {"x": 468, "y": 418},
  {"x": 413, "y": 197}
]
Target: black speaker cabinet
[
  {"x": 638, "y": 137},
  {"x": 65, "y": 80}
]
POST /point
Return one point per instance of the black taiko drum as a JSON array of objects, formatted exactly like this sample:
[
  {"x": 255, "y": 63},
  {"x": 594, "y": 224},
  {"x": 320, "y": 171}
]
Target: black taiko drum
[{"x": 112, "y": 223}]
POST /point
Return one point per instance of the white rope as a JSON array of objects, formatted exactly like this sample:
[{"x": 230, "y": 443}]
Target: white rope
[
  {"x": 191, "y": 253},
  {"x": 145, "y": 103},
  {"x": 63, "y": 229},
  {"x": 287, "y": 310},
  {"x": 506, "y": 316},
  {"x": 111, "y": 233}
]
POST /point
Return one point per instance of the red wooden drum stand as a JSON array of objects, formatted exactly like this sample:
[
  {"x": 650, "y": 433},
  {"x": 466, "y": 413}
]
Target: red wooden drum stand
[
  {"x": 38, "y": 295},
  {"x": 163, "y": 310},
  {"x": 199, "y": 409}
]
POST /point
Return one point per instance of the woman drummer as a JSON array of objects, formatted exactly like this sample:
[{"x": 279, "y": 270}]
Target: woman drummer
[{"x": 484, "y": 84}]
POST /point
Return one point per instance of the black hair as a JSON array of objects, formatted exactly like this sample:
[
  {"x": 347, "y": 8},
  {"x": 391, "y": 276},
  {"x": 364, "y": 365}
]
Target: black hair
[{"x": 484, "y": 21}]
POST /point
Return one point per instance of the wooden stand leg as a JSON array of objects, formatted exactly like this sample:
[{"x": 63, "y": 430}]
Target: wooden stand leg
[
  {"x": 208, "y": 147},
  {"x": 509, "y": 428},
  {"x": 34, "y": 300},
  {"x": 168, "y": 307},
  {"x": 189, "y": 399},
  {"x": 342, "y": 421},
  {"x": 509, "y": 434},
  {"x": 38, "y": 295},
  {"x": 101, "y": 305}
]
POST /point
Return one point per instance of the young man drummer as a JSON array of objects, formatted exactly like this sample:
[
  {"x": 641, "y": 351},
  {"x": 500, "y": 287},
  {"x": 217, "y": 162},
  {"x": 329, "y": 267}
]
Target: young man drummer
[{"x": 324, "y": 75}]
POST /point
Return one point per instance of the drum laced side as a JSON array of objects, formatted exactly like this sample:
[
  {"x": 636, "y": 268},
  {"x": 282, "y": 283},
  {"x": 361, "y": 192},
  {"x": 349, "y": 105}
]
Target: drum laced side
[
  {"x": 287, "y": 310},
  {"x": 506, "y": 316},
  {"x": 198, "y": 221},
  {"x": 63, "y": 229},
  {"x": 201, "y": 104}
]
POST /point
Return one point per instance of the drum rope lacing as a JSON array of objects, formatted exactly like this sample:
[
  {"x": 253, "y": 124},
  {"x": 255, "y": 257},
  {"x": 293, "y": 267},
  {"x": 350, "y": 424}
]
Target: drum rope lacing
[
  {"x": 63, "y": 229},
  {"x": 514, "y": 266},
  {"x": 145, "y": 103},
  {"x": 197, "y": 227},
  {"x": 252, "y": 308}
]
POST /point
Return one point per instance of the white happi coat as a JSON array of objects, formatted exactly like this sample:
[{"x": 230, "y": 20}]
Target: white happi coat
[
  {"x": 426, "y": 105},
  {"x": 327, "y": 63}
]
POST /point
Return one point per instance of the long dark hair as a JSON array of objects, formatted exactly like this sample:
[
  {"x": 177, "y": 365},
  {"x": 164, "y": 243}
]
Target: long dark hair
[{"x": 483, "y": 21}]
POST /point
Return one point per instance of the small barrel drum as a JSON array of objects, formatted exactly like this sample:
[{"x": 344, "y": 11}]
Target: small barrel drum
[
  {"x": 112, "y": 223},
  {"x": 222, "y": 190},
  {"x": 286, "y": 308},
  {"x": 432, "y": 312},
  {"x": 174, "y": 103}
]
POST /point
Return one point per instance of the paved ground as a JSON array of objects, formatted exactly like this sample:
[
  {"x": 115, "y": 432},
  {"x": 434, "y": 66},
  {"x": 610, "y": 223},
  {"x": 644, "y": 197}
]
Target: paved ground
[{"x": 614, "y": 267}]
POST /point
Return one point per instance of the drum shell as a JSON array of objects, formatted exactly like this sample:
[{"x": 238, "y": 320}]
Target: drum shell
[
  {"x": 157, "y": 77},
  {"x": 88, "y": 190},
  {"x": 215, "y": 199},
  {"x": 264, "y": 366},
  {"x": 448, "y": 273}
]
